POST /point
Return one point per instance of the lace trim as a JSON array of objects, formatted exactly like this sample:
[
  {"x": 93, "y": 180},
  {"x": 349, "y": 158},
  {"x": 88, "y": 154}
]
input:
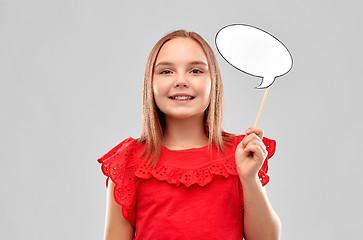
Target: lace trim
[
  {"x": 119, "y": 165},
  {"x": 188, "y": 177},
  {"x": 204, "y": 175}
]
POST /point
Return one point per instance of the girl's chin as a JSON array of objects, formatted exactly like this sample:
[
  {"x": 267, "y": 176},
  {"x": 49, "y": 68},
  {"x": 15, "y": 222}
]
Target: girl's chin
[{"x": 184, "y": 116}]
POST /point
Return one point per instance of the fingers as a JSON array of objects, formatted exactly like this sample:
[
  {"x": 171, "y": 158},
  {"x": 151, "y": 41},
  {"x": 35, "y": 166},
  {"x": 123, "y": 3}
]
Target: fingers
[
  {"x": 256, "y": 130},
  {"x": 254, "y": 144},
  {"x": 249, "y": 138},
  {"x": 257, "y": 150}
]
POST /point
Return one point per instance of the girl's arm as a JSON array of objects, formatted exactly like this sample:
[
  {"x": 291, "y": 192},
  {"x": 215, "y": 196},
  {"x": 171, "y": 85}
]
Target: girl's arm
[
  {"x": 260, "y": 220},
  {"x": 116, "y": 226}
]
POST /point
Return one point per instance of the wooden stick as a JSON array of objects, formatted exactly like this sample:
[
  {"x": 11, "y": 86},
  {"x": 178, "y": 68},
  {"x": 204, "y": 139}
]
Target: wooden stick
[{"x": 261, "y": 106}]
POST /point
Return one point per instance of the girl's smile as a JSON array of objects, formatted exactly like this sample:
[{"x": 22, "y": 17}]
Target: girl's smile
[
  {"x": 182, "y": 98},
  {"x": 181, "y": 79}
]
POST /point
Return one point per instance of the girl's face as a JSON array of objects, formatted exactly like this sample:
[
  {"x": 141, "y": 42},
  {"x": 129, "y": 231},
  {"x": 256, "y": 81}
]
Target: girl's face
[{"x": 181, "y": 79}]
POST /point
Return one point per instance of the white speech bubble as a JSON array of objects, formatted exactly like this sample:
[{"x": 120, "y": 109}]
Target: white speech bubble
[{"x": 254, "y": 51}]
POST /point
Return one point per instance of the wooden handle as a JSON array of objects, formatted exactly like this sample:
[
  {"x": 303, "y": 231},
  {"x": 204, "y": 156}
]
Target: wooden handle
[{"x": 261, "y": 106}]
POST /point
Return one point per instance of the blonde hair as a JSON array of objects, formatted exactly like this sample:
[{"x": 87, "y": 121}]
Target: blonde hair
[{"x": 153, "y": 119}]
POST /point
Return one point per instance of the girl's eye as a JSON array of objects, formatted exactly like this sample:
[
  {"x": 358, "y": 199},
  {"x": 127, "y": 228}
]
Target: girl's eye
[
  {"x": 165, "y": 72},
  {"x": 196, "y": 71}
]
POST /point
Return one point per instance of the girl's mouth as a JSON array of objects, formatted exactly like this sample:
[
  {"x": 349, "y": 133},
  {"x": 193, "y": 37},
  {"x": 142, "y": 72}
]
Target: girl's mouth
[{"x": 182, "y": 98}]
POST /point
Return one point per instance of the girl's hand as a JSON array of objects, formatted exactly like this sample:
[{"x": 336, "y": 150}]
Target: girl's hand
[{"x": 250, "y": 154}]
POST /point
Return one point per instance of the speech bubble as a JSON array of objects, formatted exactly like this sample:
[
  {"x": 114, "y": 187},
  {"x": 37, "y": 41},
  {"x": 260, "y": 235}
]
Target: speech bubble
[{"x": 254, "y": 51}]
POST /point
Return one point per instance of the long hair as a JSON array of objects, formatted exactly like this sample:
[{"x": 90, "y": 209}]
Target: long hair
[{"x": 153, "y": 119}]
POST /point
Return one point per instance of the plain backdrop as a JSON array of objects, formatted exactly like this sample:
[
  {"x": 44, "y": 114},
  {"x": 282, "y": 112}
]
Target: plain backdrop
[{"x": 71, "y": 76}]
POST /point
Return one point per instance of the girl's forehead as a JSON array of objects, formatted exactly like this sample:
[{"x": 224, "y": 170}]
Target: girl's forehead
[{"x": 180, "y": 50}]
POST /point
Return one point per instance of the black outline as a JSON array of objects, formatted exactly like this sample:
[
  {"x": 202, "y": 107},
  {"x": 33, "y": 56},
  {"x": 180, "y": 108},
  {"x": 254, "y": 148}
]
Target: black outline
[{"x": 233, "y": 24}]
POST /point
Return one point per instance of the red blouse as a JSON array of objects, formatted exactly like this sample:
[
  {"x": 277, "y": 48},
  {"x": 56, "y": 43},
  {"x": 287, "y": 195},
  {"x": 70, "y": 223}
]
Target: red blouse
[{"x": 190, "y": 194}]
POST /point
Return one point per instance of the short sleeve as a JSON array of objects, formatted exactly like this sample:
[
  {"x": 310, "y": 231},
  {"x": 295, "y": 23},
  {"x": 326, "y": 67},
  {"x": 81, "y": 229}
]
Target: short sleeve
[
  {"x": 119, "y": 164},
  {"x": 270, "y": 147}
]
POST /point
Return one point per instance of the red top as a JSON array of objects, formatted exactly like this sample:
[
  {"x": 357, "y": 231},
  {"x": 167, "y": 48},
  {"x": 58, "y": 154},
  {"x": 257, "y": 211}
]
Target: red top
[{"x": 190, "y": 194}]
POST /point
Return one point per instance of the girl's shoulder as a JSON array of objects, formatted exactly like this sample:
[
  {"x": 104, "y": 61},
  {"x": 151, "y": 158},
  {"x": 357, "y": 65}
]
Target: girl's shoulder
[{"x": 120, "y": 153}]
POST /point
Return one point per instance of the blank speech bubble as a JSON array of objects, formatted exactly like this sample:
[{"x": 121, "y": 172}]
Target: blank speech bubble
[{"x": 254, "y": 51}]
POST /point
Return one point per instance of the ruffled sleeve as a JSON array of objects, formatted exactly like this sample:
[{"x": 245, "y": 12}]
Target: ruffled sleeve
[
  {"x": 270, "y": 147},
  {"x": 119, "y": 164}
]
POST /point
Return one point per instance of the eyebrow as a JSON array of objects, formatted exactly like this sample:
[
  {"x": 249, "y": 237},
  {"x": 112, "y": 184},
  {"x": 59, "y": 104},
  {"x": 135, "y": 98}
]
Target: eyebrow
[{"x": 190, "y": 63}]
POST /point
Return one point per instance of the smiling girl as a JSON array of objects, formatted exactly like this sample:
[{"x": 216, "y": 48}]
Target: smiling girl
[{"x": 186, "y": 178}]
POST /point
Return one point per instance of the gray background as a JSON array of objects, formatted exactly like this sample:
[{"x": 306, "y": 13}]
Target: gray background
[{"x": 71, "y": 78}]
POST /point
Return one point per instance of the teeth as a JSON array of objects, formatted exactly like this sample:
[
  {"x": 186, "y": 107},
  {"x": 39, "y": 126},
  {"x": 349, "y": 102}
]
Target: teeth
[{"x": 182, "y": 98}]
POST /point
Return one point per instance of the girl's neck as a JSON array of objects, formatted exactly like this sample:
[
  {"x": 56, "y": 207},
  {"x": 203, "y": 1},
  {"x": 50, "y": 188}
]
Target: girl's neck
[{"x": 182, "y": 134}]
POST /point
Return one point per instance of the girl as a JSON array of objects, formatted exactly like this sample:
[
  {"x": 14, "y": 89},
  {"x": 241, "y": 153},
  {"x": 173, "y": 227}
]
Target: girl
[{"x": 186, "y": 178}]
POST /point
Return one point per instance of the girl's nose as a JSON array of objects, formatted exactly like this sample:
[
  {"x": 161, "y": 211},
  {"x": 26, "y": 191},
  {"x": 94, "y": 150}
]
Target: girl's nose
[{"x": 181, "y": 81}]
